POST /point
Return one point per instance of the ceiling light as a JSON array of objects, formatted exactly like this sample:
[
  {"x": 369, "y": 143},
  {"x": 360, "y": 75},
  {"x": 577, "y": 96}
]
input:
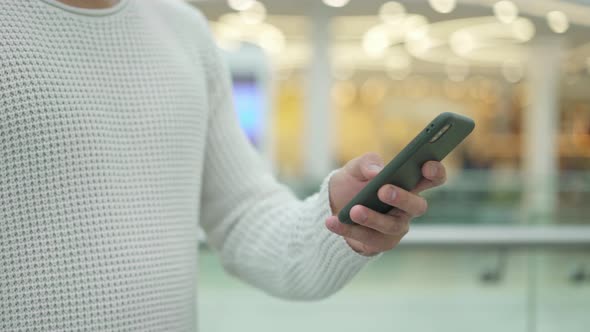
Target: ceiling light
[
  {"x": 254, "y": 14},
  {"x": 457, "y": 69},
  {"x": 272, "y": 40},
  {"x": 413, "y": 22},
  {"x": 512, "y": 71},
  {"x": 558, "y": 21},
  {"x": 506, "y": 11},
  {"x": 443, "y": 6},
  {"x": 420, "y": 47},
  {"x": 416, "y": 35},
  {"x": 376, "y": 41},
  {"x": 462, "y": 43},
  {"x": 336, "y": 3},
  {"x": 228, "y": 37},
  {"x": 523, "y": 29},
  {"x": 392, "y": 12},
  {"x": 240, "y": 5}
]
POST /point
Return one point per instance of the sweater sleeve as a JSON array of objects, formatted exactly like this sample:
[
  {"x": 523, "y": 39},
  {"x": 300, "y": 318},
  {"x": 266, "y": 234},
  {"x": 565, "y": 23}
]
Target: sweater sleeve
[{"x": 263, "y": 233}]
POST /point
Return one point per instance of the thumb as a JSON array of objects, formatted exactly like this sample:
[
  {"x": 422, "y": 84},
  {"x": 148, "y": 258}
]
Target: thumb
[{"x": 365, "y": 167}]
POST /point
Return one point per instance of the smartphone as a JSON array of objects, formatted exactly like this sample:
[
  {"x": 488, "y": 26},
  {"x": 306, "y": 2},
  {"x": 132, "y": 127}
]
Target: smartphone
[{"x": 435, "y": 142}]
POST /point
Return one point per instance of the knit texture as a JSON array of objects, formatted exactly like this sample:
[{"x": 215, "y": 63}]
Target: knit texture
[{"x": 117, "y": 138}]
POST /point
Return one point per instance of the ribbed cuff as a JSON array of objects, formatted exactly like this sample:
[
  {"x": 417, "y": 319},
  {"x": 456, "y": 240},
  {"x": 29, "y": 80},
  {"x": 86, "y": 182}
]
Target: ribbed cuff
[{"x": 339, "y": 258}]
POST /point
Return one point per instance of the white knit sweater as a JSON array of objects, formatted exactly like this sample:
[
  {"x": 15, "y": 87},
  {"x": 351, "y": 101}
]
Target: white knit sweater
[{"x": 117, "y": 137}]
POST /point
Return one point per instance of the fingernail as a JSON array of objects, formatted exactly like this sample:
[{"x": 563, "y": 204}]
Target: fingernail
[
  {"x": 375, "y": 168},
  {"x": 392, "y": 193},
  {"x": 331, "y": 223},
  {"x": 432, "y": 170},
  {"x": 362, "y": 215}
]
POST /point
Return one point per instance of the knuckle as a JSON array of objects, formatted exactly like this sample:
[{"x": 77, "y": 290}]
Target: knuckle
[
  {"x": 371, "y": 158},
  {"x": 422, "y": 206},
  {"x": 397, "y": 213},
  {"x": 382, "y": 244},
  {"x": 399, "y": 227},
  {"x": 401, "y": 198},
  {"x": 405, "y": 228},
  {"x": 347, "y": 231},
  {"x": 394, "y": 228}
]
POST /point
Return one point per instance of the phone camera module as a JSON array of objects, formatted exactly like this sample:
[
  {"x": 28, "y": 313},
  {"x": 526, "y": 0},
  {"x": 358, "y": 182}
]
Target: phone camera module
[{"x": 441, "y": 133}]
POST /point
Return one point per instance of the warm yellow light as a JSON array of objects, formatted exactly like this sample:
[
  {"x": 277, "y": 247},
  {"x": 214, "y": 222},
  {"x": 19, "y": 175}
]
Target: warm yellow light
[
  {"x": 417, "y": 86},
  {"x": 336, "y": 3},
  {"x": 240, "y": 5},
  {"x": 376, "y": 41},
  {"x": 443, "y": 6},
  {"x": 512, "y": 71},
  {"x": 488, "y": 91},
  {"x": 344, "y": 93},
  {"x": 558, "y": 21},
  {"x": 506, "y": 11},
  {"x": 457, "y": 69},
  {"x": 453, "y": 90},
  {"x": 392, "y": 12},
  {"x": 254, "y": 14}
]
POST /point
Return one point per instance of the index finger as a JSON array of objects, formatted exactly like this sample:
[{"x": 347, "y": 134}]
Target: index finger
[
  {"x": 434, "y": 174},
  {"x": 365, "y": 167}
]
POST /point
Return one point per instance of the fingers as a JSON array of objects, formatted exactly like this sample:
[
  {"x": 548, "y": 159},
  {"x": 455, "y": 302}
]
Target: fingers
[
  {"x": 362, "y": 248},
  {"x": 397, "y": 224},
  {"x": 434, "y": 173},
  {"x": 372, "y": 241},
  {"x": 365, "y": 167},
  {"x": 406, "y": 201}
]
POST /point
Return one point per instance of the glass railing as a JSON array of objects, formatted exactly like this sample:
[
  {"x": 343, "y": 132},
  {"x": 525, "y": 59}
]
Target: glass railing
[
  {"x": 420, "y": 290},
  {"x": 492, "y": 197},
  {"x": 470, "y": 264}
]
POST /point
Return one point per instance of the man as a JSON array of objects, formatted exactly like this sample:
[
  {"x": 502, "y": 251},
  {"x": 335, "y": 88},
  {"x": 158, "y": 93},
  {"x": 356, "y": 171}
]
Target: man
[{"x": 117, "y": 137}]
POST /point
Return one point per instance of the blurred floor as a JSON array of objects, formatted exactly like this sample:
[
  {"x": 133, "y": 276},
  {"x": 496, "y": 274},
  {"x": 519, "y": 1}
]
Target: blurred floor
[{"x": 413, "y": 290}]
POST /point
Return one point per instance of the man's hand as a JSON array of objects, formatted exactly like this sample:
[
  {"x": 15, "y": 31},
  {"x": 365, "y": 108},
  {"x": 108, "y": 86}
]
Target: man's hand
[{"x": 375, "y": 232}]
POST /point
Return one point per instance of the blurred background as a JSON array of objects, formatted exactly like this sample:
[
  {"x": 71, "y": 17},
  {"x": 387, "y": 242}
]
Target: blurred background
[{"x": 505, "y": 245}]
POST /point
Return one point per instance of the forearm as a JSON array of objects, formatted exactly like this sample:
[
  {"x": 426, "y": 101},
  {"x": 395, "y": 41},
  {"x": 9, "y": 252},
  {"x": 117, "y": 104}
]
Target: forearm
[{"x": 280, "y": 244}]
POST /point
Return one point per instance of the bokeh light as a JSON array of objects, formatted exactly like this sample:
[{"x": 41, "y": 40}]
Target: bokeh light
[
  {"x": 392, "y": 12},
  {"x": 505, "y": 11},
  {"x": 254, "y": 14},
  {"x": 443, "y": 6},
  {"x": 336, "y": 3},
  {"x": 558, "y": 21},
  {"x": 240, "y": 5}
]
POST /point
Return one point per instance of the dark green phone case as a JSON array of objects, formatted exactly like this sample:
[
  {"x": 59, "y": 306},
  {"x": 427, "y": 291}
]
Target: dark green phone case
[{"x": 405, "y": 170}]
